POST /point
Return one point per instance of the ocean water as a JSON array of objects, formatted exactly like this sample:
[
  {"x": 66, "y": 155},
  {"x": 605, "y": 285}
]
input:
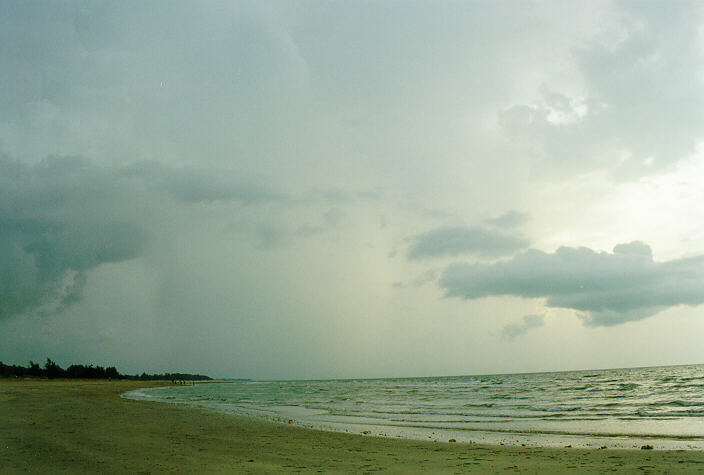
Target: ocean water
[{"x": 624, "y": 408}]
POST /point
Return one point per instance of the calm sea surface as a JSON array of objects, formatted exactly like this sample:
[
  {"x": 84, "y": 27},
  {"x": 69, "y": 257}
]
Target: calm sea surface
[{"x": 659, "y": 406}]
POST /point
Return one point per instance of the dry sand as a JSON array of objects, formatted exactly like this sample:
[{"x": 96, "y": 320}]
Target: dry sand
[{"x": 84, "y": 426}]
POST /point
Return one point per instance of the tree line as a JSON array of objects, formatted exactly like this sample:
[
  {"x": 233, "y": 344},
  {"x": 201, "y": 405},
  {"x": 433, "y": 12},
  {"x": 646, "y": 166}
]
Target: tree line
[{"x": 52, "y": 370}]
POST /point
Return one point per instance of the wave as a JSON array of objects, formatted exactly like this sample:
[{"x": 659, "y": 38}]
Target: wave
[
  {"x": 677, "y": 403},
  {"x": 654, "y": 401},
  {"x": 670, "y": 414},
  {"x": 576, "y": 388}
]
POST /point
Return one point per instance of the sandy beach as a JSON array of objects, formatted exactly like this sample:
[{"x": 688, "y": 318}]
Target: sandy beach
[{"x": 84, "y": 426}]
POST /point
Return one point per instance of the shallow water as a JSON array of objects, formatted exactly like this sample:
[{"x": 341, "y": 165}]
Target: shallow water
[{"x": 659, "y": 406}]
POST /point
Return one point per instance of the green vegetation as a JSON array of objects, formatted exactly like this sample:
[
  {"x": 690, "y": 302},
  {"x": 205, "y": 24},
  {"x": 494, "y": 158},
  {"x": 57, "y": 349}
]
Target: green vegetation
[{"x": 78, "y": 371}]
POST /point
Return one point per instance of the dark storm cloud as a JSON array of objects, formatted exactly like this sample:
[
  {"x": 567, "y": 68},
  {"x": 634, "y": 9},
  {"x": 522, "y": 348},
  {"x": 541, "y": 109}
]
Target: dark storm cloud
[
  {"x": 452, "y": 241},
  {"x": 607, "y": 289},
  {"x": 58, "y": 219},
  {"x": 528, "y": 323},
  {"x": 65, "y": 216}
]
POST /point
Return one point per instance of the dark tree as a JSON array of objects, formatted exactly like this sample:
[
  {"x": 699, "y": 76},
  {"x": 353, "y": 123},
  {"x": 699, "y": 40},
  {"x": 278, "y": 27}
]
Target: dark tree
[
  {"x": 53, "y": 370},
  {"x": 34, "y": 369}
]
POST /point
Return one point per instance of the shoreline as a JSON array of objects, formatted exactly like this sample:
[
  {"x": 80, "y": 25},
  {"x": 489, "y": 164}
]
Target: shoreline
[
  {"x": 320, "y": 419},
  {"x": 70, "y": 425}
]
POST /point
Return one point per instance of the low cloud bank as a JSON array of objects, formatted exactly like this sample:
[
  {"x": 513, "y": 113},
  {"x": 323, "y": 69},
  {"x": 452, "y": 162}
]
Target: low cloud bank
[
  {"x": 192, "y": 185},
  {"x": 452, "y": 241},
  {"x": 509, "y": 219},
  {"x": 529, "y": 322},
  {"x": 605, "y": 288}
]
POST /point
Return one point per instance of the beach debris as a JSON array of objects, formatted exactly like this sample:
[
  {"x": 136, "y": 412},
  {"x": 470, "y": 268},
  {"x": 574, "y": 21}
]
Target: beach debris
[
  {"x": 365, "y": 432},
  {"x": 603, "y": 447},
  {"x": 646, "y": 447},
  {"x": 568, "y": 446},
  {"x": 452, "y": 440},
  {"x": 290, "y": 421}
]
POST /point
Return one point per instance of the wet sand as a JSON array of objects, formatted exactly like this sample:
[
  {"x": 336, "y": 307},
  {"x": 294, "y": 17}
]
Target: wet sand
[{"x": 84, "y": 426}]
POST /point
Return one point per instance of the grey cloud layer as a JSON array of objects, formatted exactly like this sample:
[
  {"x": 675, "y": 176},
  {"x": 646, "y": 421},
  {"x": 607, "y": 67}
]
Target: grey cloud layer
[
  {"x": 451, "y": 241},
  {"x": 607, "y": 288},
  {"x": 65, "y": 216},
  {"x": 249, "y": 82}
]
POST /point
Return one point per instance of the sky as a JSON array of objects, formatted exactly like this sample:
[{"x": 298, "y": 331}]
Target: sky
[{"x": 333, "y": 189}]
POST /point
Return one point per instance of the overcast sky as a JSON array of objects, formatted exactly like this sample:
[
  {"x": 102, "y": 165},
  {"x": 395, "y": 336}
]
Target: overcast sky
[{"x": 352, "y": 189}]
